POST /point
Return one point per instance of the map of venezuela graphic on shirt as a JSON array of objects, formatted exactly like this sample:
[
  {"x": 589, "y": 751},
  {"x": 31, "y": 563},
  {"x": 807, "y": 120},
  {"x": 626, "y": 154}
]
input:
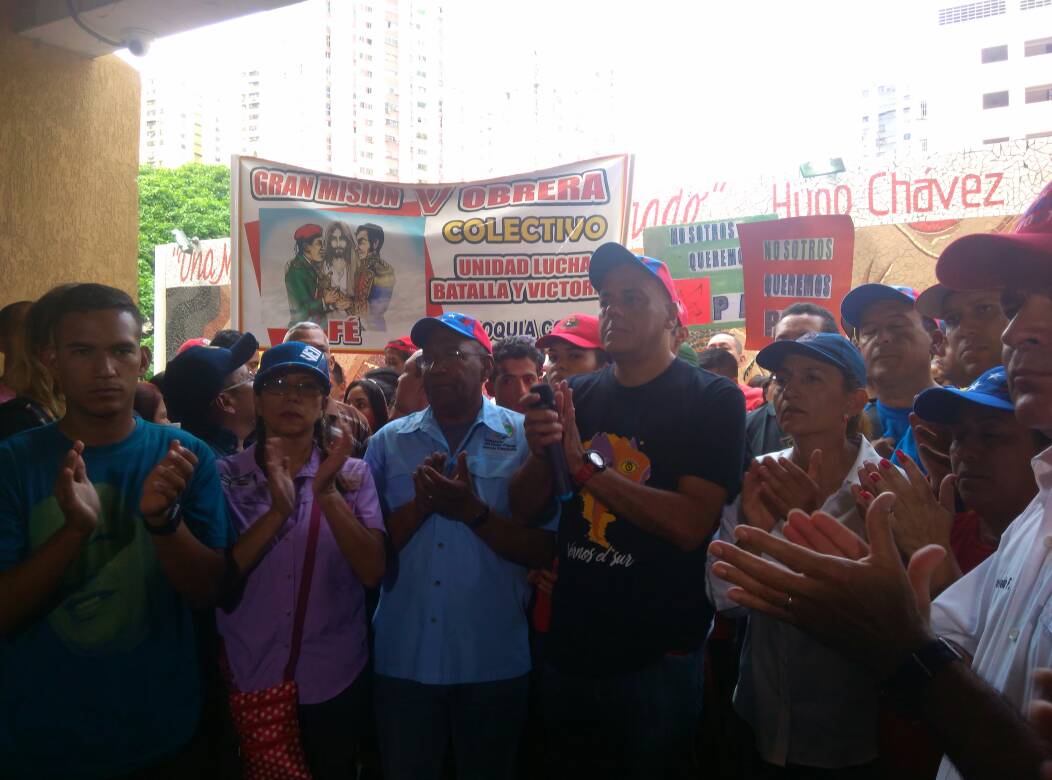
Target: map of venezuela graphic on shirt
[{"x": 623, "y": 456}]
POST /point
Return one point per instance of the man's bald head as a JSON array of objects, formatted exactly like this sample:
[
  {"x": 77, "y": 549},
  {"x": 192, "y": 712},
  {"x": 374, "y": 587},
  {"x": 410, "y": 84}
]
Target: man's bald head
[{"x": 309, "y": 333}]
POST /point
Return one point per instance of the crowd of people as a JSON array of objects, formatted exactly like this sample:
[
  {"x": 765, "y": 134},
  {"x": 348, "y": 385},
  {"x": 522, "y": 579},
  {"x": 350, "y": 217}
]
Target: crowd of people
[{"x": 249, "y": 567}]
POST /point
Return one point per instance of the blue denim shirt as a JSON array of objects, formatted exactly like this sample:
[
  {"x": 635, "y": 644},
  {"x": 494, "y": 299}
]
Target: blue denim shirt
[{"x": 451, "y": 610}]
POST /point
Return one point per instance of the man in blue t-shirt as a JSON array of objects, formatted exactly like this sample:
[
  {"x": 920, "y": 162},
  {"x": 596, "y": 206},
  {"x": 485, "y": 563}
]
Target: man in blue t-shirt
[
  {"x": 897, "y": 344},
  {"x": 109, "y": 527}
]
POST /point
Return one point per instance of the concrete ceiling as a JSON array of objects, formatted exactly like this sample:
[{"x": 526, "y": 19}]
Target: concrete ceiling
[{"x": 50, "y": 21}]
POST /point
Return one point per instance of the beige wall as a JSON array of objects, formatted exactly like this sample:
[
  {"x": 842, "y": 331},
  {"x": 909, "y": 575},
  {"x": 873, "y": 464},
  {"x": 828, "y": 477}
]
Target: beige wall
[{"x": 69, "y": 155}]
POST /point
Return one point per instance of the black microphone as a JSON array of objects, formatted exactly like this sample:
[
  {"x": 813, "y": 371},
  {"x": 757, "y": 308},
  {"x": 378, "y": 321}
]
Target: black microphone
[{"x": 561, "y": 484}]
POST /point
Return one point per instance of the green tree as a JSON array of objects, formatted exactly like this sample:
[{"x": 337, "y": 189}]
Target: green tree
[{"x": 194, "y": 198}]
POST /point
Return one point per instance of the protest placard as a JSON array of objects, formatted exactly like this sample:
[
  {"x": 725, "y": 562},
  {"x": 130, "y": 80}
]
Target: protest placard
[{"x": 790, "y": 260}]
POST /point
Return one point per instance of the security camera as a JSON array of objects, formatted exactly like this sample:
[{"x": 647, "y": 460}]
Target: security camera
[
  {"x": 138, "y": 41},
  {"x": 182, "y": 241}
]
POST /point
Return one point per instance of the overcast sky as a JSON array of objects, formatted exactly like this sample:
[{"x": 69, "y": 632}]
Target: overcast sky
[{"x": 725, "y": 87}]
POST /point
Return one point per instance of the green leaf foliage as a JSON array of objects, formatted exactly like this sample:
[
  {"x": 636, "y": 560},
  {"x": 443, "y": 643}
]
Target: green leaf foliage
[{"x": 194, "y": 198}]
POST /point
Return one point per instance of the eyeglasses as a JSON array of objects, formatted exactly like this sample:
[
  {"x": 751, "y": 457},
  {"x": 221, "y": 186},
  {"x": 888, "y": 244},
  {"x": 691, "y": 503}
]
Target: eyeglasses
[
  {"x": 280, "y": 388},
  {"x": 429, "y": 360},
  {"x": 242, "y": 383}
]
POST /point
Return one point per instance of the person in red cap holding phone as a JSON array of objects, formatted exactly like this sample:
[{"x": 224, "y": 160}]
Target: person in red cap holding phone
[
  {"x": 309, "y": 298},
  {"x": 573, "y": 348}
]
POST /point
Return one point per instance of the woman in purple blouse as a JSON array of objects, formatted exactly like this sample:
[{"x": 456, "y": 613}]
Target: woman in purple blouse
[{"x": 271, "y": 489}]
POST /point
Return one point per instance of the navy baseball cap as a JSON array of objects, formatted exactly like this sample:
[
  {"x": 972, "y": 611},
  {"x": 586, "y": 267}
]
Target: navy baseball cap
[
  {"x": 943, "y": 404},
  {"x": 461, "y": 324},
  {"x": 612, "y": 254},
  {"x": 293, "y": 355},
  {"x": 830, "y": 348},
  {"x": 863, "y": 296},
  {"x": 194, "y": 377}
]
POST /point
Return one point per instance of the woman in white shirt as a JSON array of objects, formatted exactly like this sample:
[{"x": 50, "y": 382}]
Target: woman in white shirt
[{"x": 809, "y": 707}]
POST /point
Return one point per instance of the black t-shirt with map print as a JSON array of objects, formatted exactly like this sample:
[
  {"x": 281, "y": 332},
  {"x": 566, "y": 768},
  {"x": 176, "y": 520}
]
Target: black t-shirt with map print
[{"x": 626, "y": 597}]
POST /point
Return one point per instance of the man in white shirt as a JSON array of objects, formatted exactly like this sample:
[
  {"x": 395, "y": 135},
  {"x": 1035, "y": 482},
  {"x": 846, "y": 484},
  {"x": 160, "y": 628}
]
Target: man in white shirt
[{"x": 1001, "y": 613}]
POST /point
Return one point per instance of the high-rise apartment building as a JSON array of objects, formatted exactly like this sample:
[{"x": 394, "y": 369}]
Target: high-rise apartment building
[
  {"x": 994, "y": 80},
  {"x": 894, "y": 120},
  {"x": 180, "y": 123},
  {"x": 531, "y": 119},
  {"x": 348, "y": 86}
]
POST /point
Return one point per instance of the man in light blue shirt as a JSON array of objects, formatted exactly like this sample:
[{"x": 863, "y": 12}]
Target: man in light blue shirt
[
  {"x": 452, "y": 647},
  {"x": 897, "y": 343}
]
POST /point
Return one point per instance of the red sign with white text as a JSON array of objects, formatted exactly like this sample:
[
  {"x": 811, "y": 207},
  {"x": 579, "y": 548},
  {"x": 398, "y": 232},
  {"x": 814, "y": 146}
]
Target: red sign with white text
[{"x": 789, "y": 260}]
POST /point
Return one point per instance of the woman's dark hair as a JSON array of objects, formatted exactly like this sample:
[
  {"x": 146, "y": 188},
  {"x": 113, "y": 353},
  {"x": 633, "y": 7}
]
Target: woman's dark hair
[
  {"x": 147, "y": 399},
  {"x": 859, "y": 423},
  {"x": 377, "y": 399},
  {"x": 387, "y": 378}
]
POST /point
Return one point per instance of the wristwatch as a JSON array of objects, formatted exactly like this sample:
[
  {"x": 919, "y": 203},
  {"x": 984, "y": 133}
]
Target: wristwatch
[
  {"x": 907, "y": 684},
  {"x": 594, "y": 462},
  {"x": 171, "y": 523}
]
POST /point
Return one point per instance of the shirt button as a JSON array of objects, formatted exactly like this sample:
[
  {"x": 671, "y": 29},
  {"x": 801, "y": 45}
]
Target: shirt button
[
  {"x": 437, "y": 583},
  {"x": 434, "y": 620},
  {"x": 440, "y": 545},
  {"x": 1013, "y": 634}
]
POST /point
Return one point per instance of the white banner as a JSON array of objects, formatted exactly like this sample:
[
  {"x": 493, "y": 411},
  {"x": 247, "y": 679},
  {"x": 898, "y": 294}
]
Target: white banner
[{"x": 367, "y": 259}]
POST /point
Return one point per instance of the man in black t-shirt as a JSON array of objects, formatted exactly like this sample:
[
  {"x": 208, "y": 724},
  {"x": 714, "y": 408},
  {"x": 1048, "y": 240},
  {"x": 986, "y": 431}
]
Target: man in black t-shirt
[{"x": 654, "y": 446}]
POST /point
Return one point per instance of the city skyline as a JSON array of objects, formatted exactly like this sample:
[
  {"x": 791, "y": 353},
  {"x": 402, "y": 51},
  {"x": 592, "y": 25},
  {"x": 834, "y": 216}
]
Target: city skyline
[{"x": 451, "y": 105}]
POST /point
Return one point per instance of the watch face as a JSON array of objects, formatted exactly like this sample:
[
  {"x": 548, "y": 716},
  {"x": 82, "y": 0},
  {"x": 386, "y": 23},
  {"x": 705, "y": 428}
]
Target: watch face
[{"x": 595, "y": 459}]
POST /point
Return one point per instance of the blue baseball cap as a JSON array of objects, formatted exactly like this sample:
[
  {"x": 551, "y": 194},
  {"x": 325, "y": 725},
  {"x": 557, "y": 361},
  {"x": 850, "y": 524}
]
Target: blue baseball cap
[
  {"x": 293, "y": 355},
  {"x": 194, "y": 377},
  {"x": 461, "y": 324},
  {"x": 943, "y": 404},
  {"x": 612, "y": 254},
  {"x": 863, "y": 296},
  {"x": 830, "y": 348}
]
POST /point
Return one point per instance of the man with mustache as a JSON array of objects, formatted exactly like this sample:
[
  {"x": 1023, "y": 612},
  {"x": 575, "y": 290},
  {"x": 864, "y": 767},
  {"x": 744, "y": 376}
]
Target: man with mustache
[
  {"x": 452, "y": 654},
  {"x": 878, "y": 611},
  {"x": 654, "y": 447}
]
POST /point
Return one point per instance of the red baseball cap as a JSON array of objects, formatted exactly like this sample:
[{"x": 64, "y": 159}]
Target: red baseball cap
[
  {"x": 403, "y": 344},
  {"x": 581, "y": 330},
  {"x": 192, "y": 343},
  {"x": 461, "y": 324},
  {"x": 986, "y": 260},
  {"x": 306, "y": 232},
  {"x": 612, "y": 254}
]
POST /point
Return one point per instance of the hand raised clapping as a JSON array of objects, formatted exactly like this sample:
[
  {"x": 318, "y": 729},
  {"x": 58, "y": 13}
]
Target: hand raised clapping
[{"x": 452, "y": 496}]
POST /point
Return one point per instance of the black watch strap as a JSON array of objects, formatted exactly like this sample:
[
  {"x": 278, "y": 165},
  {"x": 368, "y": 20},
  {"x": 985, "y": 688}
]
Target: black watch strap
[
  {"x": 920, "y": 667},
  {"x": 171, "y": 524}
]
